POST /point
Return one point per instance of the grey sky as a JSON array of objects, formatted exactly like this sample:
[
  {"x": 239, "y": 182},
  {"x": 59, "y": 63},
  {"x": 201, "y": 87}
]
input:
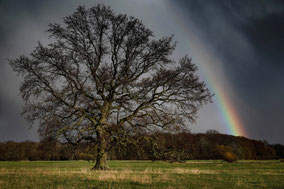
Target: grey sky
[{"x": 242, "y": 40}]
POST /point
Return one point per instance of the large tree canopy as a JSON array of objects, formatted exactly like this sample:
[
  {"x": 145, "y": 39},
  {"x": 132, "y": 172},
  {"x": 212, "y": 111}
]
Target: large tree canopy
[{"x": 105, "y": 73}]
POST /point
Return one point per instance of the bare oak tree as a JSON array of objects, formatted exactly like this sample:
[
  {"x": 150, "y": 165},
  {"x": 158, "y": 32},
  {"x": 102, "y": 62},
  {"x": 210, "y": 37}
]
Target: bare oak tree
[{"x": 105, "y": 76}]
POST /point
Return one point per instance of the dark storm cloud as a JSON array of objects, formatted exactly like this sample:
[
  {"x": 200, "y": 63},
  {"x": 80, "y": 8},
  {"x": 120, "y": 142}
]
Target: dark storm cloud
[
  {"x": 13, "y": 13},
  {"x": 22, "y": 24},
  {"x": 248, "y": 36},
  {"x": 17, "y": 27},
  {"x": 11, "y": 124}
]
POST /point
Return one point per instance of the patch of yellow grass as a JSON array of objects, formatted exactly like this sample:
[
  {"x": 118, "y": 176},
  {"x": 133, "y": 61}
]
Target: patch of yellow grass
[
  {"x": 146, "y": 176},
  {"x": 199, "y": 162},
  {"x": 192, "y": 171},
  {"x": 272, "y": 173}
]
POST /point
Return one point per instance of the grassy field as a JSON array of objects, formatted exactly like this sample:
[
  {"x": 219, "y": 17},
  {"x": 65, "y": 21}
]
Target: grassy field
[{"x": 143, "y": 174}]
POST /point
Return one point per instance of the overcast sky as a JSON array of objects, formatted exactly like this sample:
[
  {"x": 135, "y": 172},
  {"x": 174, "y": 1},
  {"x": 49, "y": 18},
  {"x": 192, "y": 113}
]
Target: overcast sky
[{"x": 241, "y": 43}]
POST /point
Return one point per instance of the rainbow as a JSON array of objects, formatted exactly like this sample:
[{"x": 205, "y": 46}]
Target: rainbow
[
  {"x": 216, "y": 85},
  {"x": 227, "y": 111}
]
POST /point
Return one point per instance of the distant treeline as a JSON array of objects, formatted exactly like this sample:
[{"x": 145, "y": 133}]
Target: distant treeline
[{"x": 158, "y": 146}]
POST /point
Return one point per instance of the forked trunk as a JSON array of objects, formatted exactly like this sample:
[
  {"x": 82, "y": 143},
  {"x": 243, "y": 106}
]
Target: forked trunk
[{"x": 101, "y": 160}]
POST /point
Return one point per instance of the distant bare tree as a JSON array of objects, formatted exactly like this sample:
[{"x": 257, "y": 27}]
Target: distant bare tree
[{"x": 105, "y": 76}]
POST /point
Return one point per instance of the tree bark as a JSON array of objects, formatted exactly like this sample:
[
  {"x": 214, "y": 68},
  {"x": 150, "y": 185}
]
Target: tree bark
[{"x": 101, "y": 159}]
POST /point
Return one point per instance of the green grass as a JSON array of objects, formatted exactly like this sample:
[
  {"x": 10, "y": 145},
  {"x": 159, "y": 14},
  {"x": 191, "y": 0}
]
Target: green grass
[{"x": 142, "y": 174}]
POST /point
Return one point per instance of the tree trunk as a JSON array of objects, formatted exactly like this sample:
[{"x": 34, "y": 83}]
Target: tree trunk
[{"x": 101, "y": 160}]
